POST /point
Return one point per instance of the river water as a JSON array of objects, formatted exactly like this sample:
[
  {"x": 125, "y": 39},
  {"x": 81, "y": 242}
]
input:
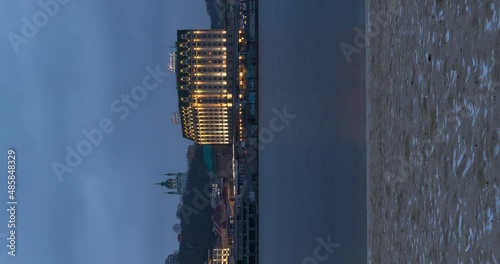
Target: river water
[{"x": 313, "y": 172}]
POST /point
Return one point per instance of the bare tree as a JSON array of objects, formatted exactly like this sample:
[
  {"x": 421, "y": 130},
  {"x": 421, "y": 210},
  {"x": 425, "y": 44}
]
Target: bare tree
[{"x": 176, "y": 228}]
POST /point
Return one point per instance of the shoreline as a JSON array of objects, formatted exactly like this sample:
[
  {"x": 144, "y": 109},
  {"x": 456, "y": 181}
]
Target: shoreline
[{"x": 432, "y": 170}]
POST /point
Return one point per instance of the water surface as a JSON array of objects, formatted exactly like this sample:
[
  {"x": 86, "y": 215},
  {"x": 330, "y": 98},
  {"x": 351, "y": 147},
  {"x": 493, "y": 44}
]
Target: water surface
[{"x": 312, "y": 174}]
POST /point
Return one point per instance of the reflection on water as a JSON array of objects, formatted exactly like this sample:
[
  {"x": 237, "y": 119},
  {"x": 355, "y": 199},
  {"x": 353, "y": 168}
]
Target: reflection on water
[{"x": 312, "y": 174}]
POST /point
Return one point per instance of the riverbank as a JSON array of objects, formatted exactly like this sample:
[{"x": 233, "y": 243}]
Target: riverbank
[{"x": 433, "y": 130}]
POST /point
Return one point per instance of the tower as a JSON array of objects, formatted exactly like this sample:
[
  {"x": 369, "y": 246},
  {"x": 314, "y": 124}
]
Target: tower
[
  {"x": 178, "y": 183},
  {"x": 170, "y": 184}
]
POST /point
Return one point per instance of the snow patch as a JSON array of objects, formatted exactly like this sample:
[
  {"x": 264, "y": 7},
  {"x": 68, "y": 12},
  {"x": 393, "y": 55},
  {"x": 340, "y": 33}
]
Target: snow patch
[
  {"x": 489, "y": 220},
  {"x": 453, "y": 78},
  {"x": 459, "y": 225},
  {"x": 497, "y": 199},
  {"x": 440, "y": 15},
  {"x": 493, "y": 24},
  {"x": 458, "y": 161},
  {"x": 467, "y": 166},
  {"x": 484, "y": 70},
  {"x": 438, "y": 65}
]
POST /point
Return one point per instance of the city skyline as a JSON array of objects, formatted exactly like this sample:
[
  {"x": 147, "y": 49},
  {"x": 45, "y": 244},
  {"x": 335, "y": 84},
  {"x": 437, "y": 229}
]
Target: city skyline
[{"x": 65, "y": 80}]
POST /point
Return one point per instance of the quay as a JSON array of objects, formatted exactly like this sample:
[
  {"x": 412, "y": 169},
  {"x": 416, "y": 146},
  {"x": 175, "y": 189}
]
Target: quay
[{"x": 217, "y": 84}]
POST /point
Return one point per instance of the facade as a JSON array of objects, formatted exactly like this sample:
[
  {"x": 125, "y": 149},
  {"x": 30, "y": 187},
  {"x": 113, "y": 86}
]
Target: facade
[
  {"x": 178, "y": 184},
  {"x": 204, "y": 72},
  {"x": 223, "y": 160},
  {"x": 218, "y": 256}
]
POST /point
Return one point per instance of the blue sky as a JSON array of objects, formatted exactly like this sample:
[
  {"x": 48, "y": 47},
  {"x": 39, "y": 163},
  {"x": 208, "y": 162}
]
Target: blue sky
[{"x": 63, "y": 81}]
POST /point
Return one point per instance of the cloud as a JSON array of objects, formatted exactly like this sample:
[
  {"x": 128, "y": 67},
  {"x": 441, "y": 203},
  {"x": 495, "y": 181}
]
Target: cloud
[{"x": 98, "y": 237}]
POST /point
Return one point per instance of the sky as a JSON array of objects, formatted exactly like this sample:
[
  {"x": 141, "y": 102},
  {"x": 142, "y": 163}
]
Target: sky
[{"x": 63, "y": 79}]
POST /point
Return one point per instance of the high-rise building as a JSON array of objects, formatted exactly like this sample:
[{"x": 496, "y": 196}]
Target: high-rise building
[
  {"x": 218, "y": 256},
  {"x": 204, "y": 69}
]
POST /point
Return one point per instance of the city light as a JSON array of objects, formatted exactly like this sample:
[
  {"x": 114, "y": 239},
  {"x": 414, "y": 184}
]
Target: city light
[{"x": 212, "y": 117}]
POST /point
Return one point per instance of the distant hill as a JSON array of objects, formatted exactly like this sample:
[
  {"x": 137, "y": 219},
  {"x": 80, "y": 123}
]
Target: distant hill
[
  {"x": 212, "y": 13},
  {"x": 197, "y": 235},
  {"x": 190, "y": 152}
]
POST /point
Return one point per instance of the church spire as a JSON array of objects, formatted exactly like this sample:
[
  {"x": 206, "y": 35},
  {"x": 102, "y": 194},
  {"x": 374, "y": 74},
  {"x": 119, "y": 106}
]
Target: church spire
[
  {"x": 161, "y": 183},
  {"x": 176, "y": 184}
]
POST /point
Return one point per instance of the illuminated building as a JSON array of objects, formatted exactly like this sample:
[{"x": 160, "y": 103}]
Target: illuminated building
[
  {"x": 218, "y": 256},
  {"x": 204, "y": 71}
]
